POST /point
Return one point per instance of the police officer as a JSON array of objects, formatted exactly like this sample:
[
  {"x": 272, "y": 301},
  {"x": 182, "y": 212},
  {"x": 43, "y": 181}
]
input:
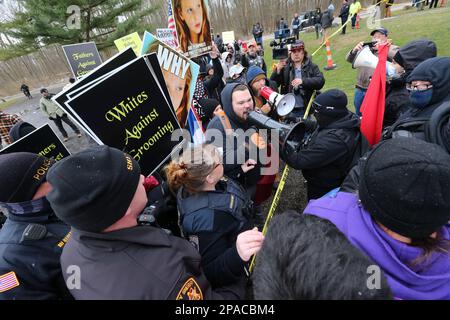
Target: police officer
[
  {"x": 328, "y": 154},
  {"x": 32, "y": 238},
  {"x": 100, "y": 193}
]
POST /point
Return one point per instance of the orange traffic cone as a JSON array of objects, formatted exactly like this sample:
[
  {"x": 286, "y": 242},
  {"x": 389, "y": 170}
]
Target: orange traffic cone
[
  {"x": 357, "y": 21},
  {"x": 330, "y": 64}
]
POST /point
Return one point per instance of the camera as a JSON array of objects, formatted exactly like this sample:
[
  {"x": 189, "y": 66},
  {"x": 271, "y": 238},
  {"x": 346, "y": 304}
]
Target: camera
[
  {"x": 370, "y": 44},
  {"x": 279, "y": 47}
]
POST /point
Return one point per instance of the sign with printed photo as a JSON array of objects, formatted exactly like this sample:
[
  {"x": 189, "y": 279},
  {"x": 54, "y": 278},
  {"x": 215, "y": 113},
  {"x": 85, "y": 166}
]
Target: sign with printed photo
[
  {"x": 180, "y": 74},
  {"x": 193, "y": 26},
  {"x": 166, "y": 36}
]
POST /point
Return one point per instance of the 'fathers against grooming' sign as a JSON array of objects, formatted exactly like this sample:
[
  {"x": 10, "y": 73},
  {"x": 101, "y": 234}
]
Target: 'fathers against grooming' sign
[
  {"x": 82, "y": 58},
  {"x": 111, "y": 64},
  {"x": 128, "y": 110},
  {"x": 42, "y": 141}
]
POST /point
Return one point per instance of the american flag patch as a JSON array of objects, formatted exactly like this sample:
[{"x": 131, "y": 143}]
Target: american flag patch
[{"x": 8, "y": 281}]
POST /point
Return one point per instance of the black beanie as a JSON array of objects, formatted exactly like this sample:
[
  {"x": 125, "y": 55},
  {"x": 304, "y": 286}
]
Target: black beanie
[
  {"x": 332, "y": 103},
  {"x": 405, "y": 185},
  {"x": 94, "y": 188},
  {"x": 21, "y": 174},
  {"x": 208, "y": 106}
]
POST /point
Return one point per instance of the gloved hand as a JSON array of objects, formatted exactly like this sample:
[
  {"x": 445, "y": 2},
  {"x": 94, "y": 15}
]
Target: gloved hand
[{"x": 310, "y": 125}]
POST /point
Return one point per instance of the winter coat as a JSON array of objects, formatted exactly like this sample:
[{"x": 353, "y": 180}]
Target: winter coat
[
  {"x": 326, "y": 159},
  {"x": 427, "y": 281},
  {"x": 312, "y": 78}
]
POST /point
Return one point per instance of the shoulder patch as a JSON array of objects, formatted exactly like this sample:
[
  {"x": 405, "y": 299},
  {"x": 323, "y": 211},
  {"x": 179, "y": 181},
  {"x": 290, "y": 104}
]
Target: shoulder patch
[
  {"x": 190, "y": 291},
  {"x": 8, "y": 281}
]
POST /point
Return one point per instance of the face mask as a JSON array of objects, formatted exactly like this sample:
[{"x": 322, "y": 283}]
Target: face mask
[{"x": 420, "y": 99}]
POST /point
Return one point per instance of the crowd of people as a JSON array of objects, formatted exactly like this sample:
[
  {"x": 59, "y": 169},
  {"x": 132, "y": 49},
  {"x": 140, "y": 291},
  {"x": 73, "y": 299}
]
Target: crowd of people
[{"x": 188, "y": 232}]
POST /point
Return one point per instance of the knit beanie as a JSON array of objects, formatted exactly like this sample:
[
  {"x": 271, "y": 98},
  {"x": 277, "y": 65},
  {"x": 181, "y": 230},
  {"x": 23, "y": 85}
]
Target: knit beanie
[
  {"x": 405, "y": 185},
  {"x": 94, "y": 188},
  {"x": 252, "y": 73},
  {"x": 21, "y": 174}
]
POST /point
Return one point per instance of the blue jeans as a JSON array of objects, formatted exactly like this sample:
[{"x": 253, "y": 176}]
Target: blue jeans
[
  {"x": 259, "y": 40},
  {"x": 358, "y": 100}
]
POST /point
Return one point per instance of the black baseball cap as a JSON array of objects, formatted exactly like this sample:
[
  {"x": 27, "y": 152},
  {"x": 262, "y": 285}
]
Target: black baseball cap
[{"x": 380, "y": 30}]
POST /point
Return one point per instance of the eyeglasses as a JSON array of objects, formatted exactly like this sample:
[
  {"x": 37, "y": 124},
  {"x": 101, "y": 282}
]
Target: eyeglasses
[{"x": 419, "y": 87}]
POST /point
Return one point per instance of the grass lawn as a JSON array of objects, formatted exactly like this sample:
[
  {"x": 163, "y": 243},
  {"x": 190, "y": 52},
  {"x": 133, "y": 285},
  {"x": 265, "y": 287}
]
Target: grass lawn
[
  {"x": 404, "y": 26},
  {"x": 4, "y": 105}
]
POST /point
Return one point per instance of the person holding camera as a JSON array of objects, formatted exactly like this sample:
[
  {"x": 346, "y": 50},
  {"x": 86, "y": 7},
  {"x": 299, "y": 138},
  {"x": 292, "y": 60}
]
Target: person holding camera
[
  {"x": 214, "y": 214},
  {"x": 379, "y": 36},
  {"x": 298, "y": 75},
  {"x": 327, "y": 154}
]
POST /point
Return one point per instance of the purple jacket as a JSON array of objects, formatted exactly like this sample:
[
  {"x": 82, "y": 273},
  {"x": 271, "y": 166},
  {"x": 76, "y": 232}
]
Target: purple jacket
[{"x": 425, "y": 281}]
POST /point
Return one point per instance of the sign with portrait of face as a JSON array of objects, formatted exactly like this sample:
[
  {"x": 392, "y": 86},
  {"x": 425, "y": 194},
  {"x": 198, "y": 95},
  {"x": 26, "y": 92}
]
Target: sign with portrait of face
[
  {"x": 180, "y": 74},
  {"x": 193, "y": 26}
]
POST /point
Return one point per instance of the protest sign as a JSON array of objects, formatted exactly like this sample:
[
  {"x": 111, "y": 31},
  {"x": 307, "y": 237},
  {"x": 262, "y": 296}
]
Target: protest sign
[
  {"x": 166, "y": 36},
  {"x": 228, "y": 37},
  {"x": 129, "y": 110},
  {"x": 111, "y": 64},
  {"x": 193, "y": 27},
  {"x": 132, "y": 40},
  {"x": 42, "y": 141},
  {"x": 82, "y": 58},
  {"x": 180, "y": 74}
]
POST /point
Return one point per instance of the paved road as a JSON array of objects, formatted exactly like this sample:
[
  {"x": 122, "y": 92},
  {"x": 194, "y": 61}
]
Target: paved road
[{"x": 30, "y": 112}]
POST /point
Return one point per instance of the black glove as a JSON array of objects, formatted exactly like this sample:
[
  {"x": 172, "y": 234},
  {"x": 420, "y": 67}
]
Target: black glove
[{"x": 310, "y": 125}]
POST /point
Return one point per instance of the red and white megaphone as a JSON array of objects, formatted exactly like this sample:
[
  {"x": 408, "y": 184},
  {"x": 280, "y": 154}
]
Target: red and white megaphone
[{"x": 284, "y": 104}]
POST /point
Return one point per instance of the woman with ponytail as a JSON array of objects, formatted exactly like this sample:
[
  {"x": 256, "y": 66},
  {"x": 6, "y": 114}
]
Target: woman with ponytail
[{"x": 213, "y": 214}]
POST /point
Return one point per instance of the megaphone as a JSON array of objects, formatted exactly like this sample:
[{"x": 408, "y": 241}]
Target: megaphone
[
  {"x": 365, "y": 58},
  {"x": 284, "y": 104},
  {"x": 288, "y": 134}
]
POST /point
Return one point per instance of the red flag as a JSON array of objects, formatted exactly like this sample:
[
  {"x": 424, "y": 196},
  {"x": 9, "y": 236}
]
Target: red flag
[{"x": 372, "y": 108}]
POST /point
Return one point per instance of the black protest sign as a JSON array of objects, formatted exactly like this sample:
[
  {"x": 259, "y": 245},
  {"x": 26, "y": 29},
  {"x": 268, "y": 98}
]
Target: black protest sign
[
  {"x": 42, "y": 141},
  {"x": 111, "y": 64},
  {"x": 128, "y": 110},
  {"x": 82, "y": 58}
]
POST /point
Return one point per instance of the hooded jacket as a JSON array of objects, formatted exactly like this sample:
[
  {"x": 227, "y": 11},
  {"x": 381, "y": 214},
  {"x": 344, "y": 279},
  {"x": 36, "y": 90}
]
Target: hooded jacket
[
  {"x": 409, "y": 57},
  {"x": 234, "y": 143},
  {"x": 226, "y": 66},
  {"x": 424, "y": 281},
  {"x": 437, "y": 71},
  {"x": 214, "y": 83},
  {"x": 326, "y": 159}
]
